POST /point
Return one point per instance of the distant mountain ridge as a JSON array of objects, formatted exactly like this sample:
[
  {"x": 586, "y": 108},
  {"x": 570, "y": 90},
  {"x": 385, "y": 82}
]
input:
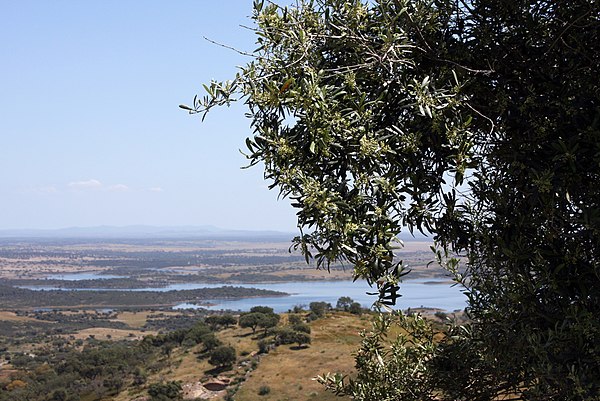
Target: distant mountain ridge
[
  {"x": 165, "y": 232},
  {"x": 141, "y": 231}
]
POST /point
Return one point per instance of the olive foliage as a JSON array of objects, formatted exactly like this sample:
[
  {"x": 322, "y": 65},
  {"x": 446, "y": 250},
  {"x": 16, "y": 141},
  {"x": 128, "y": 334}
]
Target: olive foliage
[{"x": 474, "y": 121}]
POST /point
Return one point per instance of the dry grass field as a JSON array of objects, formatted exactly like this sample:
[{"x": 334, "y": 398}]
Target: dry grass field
[
  {"x": 286, "y": 373},
  {"x": 102, "y": 333},
  {"x": 289, "y": 372},
  {"x": 13, "y": 317},
  {"x": 133, "y": 319},
  {"x": 97, "y": 258}
]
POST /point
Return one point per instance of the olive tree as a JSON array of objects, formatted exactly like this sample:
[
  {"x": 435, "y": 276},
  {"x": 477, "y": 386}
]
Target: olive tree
[
  {"x": 476, "y": 122},
  {"x": 265, "y": 320},
  {"x": 165, "y": 391},
  {"x": 251, "y": 320},
  {"x": 222, "y": 356},
  {"x": 343, "y": 303}
]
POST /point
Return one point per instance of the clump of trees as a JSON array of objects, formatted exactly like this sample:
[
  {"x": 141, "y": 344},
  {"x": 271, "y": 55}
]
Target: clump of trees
[
  {"x": 318, "y": 309},
  {"x": 343, "y": 303},
  {"x": 99, "y": 370},
  {"x": 217, "y": 321},
  {"x": 259, "y": 316},
  {"x": 166, "y": 391},
  {"x": 296, "y": 332},
  {"x": 347, "y": 304},
  {"x": 475, "y": 122}
]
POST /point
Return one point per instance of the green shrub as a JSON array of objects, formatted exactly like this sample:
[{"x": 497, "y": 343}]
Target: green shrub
[{"x": 264, "y": 390}]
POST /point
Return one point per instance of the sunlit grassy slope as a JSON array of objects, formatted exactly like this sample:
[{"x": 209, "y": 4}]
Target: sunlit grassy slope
[{"x": 288, "y": 372}]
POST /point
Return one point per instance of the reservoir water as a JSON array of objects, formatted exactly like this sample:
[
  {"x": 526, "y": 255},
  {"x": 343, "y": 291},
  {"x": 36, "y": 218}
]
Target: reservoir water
[
  {"x": 415, "y": 293},
  {"x": 432, "y": 293}
]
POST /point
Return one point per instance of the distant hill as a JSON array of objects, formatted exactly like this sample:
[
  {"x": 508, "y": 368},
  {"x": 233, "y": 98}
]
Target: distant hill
[
  {"x": 141, "y": 231},
  {"x": 164, "y": 232}
]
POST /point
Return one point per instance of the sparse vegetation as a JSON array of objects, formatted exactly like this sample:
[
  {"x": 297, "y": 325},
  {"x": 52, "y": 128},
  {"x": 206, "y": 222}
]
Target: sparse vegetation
[
  {"x": 169, "y": 347},
  {"x": 159, "y": 364}
]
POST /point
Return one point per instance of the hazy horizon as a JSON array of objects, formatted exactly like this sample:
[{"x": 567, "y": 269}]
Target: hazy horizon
[{"x": 173, "y": 232}]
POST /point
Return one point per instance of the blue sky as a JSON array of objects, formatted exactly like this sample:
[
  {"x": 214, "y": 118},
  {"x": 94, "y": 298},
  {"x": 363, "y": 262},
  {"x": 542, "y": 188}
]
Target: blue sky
[{"x": 90, "y": 131}]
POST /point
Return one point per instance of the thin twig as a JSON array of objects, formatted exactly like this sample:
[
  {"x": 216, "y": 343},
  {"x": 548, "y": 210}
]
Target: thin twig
[
  {"x": 243, "y": 53},
  {"x": 484, "y": 116},
  {"x": 454, "y": 63},
  {"x": 571, "y": 24},
  {"x": 249, "y": 28}
]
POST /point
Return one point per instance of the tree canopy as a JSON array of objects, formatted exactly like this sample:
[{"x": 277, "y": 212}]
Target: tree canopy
[
  {"x": 344, "y": 303},
  {"x": 221, "y": 356},
  {"x": 476, "y": 122}
]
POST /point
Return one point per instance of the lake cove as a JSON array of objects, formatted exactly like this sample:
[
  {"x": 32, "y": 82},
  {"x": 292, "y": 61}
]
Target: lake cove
[
  {"x": 430, "y": 293},
  {"x": 415, "y": 294},
  {"x": 83, "y": 276}
]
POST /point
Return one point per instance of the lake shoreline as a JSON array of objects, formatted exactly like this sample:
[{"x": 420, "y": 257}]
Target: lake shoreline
[{"x": 430, "y": 293}]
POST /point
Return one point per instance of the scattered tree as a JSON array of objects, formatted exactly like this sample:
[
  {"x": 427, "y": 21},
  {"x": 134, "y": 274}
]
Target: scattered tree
[
  {"x": 301, "y": 327},
  {"x": 301, "y": 338},
  {"x": 195, "y": 334},
  {"x": 299, "y": 334},
  {"x": 212, "y": 321},
  {"x": 168, "y": 391},
  {"x": 222, "y": 356},
  {"x": 259, "y": 316},
  {"x": 355, "y": 308},
  {"x": 268, "y": 321},
  {"x": 251, "y": 320},
  {"x": 210, "y": 341},
  {"x": 318, "y": 309},
  {"x": 262, "y": 309},
  {"x": 227, "y": 320},
  {"x": 215, "y": 321},
  {"x": 264, "y": 346},
  {"x": 298, "y": 308},
  {"x": 295, "y": 319},
  {"x": 343, "y": 303}
]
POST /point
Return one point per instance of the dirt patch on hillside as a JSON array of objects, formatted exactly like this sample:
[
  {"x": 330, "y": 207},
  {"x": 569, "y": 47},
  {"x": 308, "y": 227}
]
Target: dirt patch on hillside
[{"x": 212, "y": 389}]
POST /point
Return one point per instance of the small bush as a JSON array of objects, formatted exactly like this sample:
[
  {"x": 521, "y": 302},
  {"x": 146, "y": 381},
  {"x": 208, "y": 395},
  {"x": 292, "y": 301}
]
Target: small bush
[
  {"x": 301, "y": 327},
  {"x": 355, "y": 308},
  {"x": 295, "y": 319},
  {"x": 210, "y": 341},
  {"x": 441, "y": 315},
  {"x": 264, "y": 346},
  {"x": 264, "y": 390}
]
